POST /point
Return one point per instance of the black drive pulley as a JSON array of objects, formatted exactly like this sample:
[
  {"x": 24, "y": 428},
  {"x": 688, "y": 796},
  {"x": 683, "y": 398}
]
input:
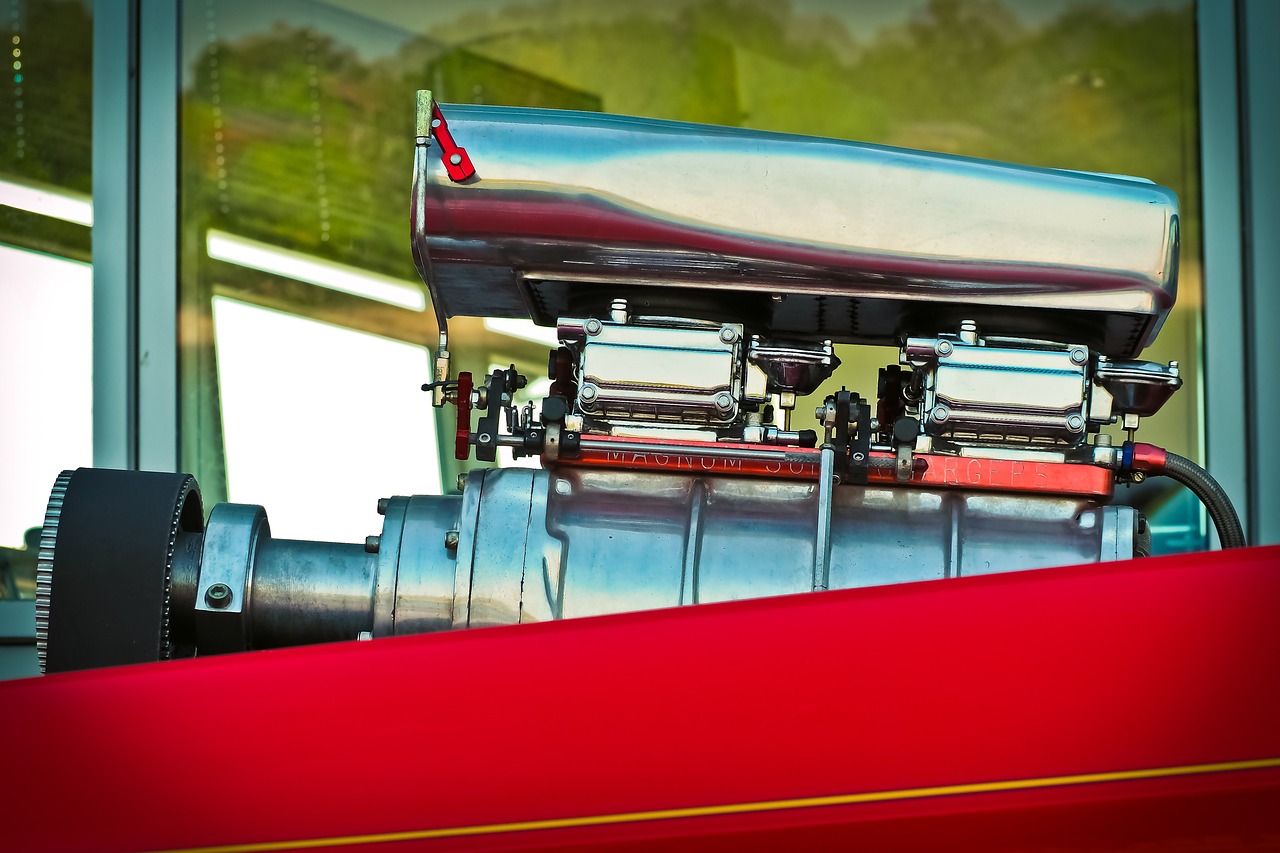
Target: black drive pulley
[{"x": 104, "y": 578}]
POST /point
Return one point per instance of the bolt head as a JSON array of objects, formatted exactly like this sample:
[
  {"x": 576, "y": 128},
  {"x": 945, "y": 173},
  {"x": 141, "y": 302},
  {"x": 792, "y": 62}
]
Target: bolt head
[
  {"x": 455, "y": 159},
  {"x": 1075, "y": 423},
  {"x": 383, "y": 503},
  {"x": 451, "y": 540},
  {"x": 461, "y": 482},
  {"x": 218, "y": 595},
  {"x": 372, "y": 544},
  {"x": 1078, "y": 355},
  {"x": 593, "y": 326},
  {"x": 943, "y": 348},
  {"x": 723, "y": 401},
  {"x": 588, "y": 392},
  {"x": 940, "y": 413},
  {"x": 728, "y": 334}
]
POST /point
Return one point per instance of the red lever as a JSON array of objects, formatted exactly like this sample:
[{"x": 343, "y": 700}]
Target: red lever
[
  {"x": 455, "y": 159},
  {"x": 462, "y": 432}
]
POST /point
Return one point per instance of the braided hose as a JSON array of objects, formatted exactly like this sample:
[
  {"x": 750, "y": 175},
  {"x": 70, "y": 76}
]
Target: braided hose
[
  {"x": 1149, "y": 459},
  {"x": 1212, "y": 495}
]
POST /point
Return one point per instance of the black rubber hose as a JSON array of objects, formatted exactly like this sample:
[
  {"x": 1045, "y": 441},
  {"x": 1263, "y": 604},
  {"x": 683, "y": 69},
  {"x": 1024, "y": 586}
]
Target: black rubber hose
[{"x": 1212, "y": 495}]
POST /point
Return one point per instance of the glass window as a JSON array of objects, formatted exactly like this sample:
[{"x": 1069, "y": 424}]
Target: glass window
[
  {"x": 46, "y": 287},
  {"x": 297, "y": 137}
]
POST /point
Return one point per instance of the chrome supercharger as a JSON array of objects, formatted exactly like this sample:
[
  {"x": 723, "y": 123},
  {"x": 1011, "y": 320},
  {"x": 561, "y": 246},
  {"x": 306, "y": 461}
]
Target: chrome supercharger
[{"x": 699, "y": 279}]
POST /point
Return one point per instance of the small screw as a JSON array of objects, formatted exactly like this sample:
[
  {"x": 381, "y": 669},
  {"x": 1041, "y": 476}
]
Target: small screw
[
  {"x": 940, "y": 413},
  {"x": 943, "y": 348},
  {"x": 728, "y": 334},
  {"x": 1078, "y": 355},
  {"x": 461, "y": 482},
  {"x": 455, "y": 159},
  {"x": 593, "y": 326},
  {"x": 723, "y": 401},
  {"x": 588, "y": 392},
  {"x": 1075, "y": 423},
  {"x": 218, "y": 595},
  {"x": 383, "y": 503},
  {"x": 372, "y": 544},
  {"x": 858, "y": 457},
  {"x": 451, "y": 540}
]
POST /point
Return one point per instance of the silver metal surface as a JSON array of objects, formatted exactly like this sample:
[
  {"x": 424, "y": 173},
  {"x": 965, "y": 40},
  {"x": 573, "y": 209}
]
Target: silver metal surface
[
  {"x": 522, "y": 545},
  {"x": 570, "y": 209},
  {"x": 605, "y": 541},
  {"x": 822, "y": 545},
  {"x": 1138, "y": 387},
  {"x": 227, "y": 556},
  {"x": 423, "y": 566},
  {"x": 794, "y": 369},
  {"x": 659, "y": 374},
  {"x": 985, "y": 392}
]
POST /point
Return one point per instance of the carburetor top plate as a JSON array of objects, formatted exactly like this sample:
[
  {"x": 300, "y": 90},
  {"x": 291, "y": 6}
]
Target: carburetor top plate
[{"x": 798, "y": 237}]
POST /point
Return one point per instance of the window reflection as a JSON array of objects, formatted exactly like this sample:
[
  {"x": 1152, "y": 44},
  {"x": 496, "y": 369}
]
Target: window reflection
[
  {"x": 296, "y": 394},
  {"x": 46, "y": 321},
  {"x": 46, "y": 85},
  {"x": 298, "y": 130}
]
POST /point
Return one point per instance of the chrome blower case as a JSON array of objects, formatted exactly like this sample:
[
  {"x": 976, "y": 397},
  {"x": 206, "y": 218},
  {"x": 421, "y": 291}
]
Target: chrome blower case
[{"x": 699, "y": 279}]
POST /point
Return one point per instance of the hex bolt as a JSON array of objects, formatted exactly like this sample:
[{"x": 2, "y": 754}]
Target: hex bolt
[
  {"x": 728, "y": 334},
  {"x": 588, "y": 392},
  {"x": 943, "y": 348},
  {"x": 1102, "y": 440},
  {"x": 940, "y": 414},
  {"x": 383, "y": 503},
  {"x": 1079, "y": 355},
  {"x": 451, "y": 540},
  {"x": 723, "y": 401},
  {"x": 461, "y": 483},
  {"x": 593, "y": 326},
  {"x": 372, "y": 544},
  {"x": 1075, "y": 423},
  {"x": 218, "y": 595},
  {"x": 455, "y": 159}
]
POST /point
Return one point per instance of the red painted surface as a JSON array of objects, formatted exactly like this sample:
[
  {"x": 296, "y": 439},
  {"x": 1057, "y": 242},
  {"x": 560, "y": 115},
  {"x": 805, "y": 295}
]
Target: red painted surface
[
  {"x": 933, "y": 470},
  {"x": 462, "y": 426},
  {"x": 1149, "y": 458},
  {"x": 449, "y": 149},
  {"x": 1157, "y": 663}
]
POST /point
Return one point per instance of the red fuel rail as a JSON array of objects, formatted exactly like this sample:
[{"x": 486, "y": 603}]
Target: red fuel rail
[
  {"x": 1124, "y": 706},
  {"x": 794, "y": 463}
]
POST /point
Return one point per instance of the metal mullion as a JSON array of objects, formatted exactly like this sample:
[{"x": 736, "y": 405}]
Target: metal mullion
[
  {"x": 1260, "y": 102},
  {"x": 1224, "y": 385},
  {"x": 135, "y": 124},
  {"x": 157, "y": 239},
  {"x": 114, "y": 129}
]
